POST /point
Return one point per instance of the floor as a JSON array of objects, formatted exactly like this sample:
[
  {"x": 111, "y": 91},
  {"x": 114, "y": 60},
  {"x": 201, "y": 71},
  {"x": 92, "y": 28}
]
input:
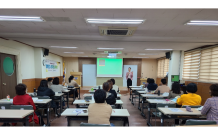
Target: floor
[{"x": 135, "y": 118}]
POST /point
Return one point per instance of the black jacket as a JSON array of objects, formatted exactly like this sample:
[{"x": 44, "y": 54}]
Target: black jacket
[
  {"x": 152, "y": 87},
  {"x": 110, "y": 99},
  {"x": 44, "y": 91},
  {"x": 113, "y": 92}
]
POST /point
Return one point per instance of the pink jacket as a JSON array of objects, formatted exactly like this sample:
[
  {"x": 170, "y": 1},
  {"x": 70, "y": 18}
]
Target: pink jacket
[{"x": 131, "y": 75}]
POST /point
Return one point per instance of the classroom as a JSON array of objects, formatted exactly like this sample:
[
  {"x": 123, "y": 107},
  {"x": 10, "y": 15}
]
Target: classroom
[{"x": 70, "y": 67}]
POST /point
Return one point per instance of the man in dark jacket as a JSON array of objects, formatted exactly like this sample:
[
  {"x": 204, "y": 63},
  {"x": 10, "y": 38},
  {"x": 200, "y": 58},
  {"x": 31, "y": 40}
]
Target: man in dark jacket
[{"x": 152, "y": 86}]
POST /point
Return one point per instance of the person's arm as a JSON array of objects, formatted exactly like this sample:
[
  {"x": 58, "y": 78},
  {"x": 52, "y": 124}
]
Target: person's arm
[
  {"x": 156, "y": 90},
  {"x": 170, "y": 95},
  {"x": 115, "y": 94},
  {"x": 179, "y": 100},
  {"x": 126, "y": 75},
  {"x": 51, "y": 92},
  {"x": 206, "y": 108},
  {"x": 30, "y": 100}
]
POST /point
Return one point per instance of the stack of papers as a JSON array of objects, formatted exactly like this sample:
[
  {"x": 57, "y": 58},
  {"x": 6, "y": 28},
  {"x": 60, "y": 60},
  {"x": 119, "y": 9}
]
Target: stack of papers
[
  {"x": 165, "y": 94},
  {"x": 200, "y": 108},
  {"x": 78, "y": 111},
  {"x": 34, "y": 99},
  {"x": 175, "y": 110}
]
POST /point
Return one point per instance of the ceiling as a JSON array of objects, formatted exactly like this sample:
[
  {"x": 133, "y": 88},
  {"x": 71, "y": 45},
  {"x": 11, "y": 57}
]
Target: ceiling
[{"x": 163, "y": 29}]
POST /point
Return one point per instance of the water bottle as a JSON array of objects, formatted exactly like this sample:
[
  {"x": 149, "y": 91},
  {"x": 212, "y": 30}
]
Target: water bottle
[
  {"x": 8, "y": 97},
  {"x": 158, "y": 93},
  {"x": 98, "y": 87},
  {"x": 34, "y": 90}
]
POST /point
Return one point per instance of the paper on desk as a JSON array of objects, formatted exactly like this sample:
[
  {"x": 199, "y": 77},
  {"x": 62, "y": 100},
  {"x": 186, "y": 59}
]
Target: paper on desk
[
  {"x": 39, "y": 100},
  {"x": 174, "y": 100},
  {"x": 200, "y": 108},
  {"x": 78, "y": 111},
  {"x": 34, "y": 99},
  {"x": 165, "y": 94},
  {"x": 175, "y": 110}
]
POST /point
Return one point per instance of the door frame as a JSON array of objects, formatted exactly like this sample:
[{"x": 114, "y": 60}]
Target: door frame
[{"x": 11, "y": 51}]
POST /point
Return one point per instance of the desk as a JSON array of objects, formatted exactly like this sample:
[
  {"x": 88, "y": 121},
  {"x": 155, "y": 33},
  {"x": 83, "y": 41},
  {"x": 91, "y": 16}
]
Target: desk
[
  {"x": 178, "y": 114},
  {"x": 40, "y": 101},
  {"x": 155, "y": 101},
  {"x": 66, "y": 92},
  {"x": 117, "y": 114},
  {"x": 140, "y": 92},
  {"x": 13, "y": 116},
  {"x": 144, "y": 96},
  {"x": 131, "y": 89},
  {"x": 86, "y": 95}
]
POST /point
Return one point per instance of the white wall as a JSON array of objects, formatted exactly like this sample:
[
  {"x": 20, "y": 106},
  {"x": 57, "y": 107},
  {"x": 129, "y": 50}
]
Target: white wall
[{"x": 26, "y": 57}]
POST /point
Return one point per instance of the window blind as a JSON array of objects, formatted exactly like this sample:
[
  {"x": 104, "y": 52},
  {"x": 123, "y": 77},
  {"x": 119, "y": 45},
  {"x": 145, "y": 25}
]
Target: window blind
[
  {"x": 209, "y": 65},
  {"x": 191, "y": 65},
  {"x": 163, "y": 67}
]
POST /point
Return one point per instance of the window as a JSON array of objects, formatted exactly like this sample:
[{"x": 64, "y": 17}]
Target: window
[
  {"x": 163, "y": 67},
  {"x": 191, "y": 64}
]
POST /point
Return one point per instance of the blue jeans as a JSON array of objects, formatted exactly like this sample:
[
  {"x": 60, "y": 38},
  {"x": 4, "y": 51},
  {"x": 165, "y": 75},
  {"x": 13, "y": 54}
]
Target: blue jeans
[{"x": 112, "y": 124}]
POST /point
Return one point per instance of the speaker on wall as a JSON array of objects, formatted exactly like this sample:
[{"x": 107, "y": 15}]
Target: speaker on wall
[
  {"x": 46, "y": 52},
  {"x": 168, "y": 55}
]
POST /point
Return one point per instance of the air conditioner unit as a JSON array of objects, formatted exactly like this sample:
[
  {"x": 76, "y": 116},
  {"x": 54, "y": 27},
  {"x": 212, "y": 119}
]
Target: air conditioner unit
[{"x": 117, "y": 31}]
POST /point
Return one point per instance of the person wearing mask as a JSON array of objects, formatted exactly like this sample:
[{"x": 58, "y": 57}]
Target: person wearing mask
[
  {"x": 111, "y": 90},
  {"x": 25, "y": 99},
  {"x": 43, "y": 90},
  {"x": 146, "y": 84},
  {"x": 175, "y": 91},
  {"x": 151, "y": 86},
  {"x": 50, "y": 80},
  {"x": 73, "y": 84},
  {"x": 163, "y": 88},
  {"x": 103, "y": 113},
  {"x": 115, "y": 87},
  {"x": 211, "y": 105},
  {"x": 110, "y": 98},
  {"x": 190, "y": 99}
]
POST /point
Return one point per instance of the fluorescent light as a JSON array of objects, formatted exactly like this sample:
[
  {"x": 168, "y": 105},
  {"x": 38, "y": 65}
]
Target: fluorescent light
[
  {"x": 62, "y": 47},
  {"x": 158, "y": 49},
  {"x": 140, "y": 57},
  {"x": 111, "y": 48},
  {"x": 203, "y": 22},
  {"x": 116, "y": 21},
  {"x": 21, "y": 18},
  {"x": 75, "y": 52}
]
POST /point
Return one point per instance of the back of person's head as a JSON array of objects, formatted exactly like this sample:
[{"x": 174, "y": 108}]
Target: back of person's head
[
  {"x": 214, "y": 90},
  {"x": 56, "y": 81},
  {"x": 100, "y": 96},
  {"x": 113, "y": 81},
  {"x": 106, "y": 86},
  {"x": 50, "y": 79},
  {"x": 151, "y": 81},
  {"x": 148, "y": 80},
  {"x": 20, "y": 89},
  {"x": 192, "y": 88},
  {"x": 176, "y": 88},
  {"x": 70, "y": 78},
  {"x": 163, "y": 81},
  {"x": 110, "y": 83},
  {"x": 43, "y": 83}
]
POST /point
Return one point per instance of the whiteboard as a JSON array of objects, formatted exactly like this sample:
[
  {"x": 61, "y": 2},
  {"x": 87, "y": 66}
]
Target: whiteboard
[{"x": 89, "y": 74}]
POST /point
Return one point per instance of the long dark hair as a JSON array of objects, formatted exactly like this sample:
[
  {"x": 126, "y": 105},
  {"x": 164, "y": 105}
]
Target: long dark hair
[
  {"x": 43, "y": 83},
  {"x": 70, "y": 78},
  {"x": 176, "y": 88}
]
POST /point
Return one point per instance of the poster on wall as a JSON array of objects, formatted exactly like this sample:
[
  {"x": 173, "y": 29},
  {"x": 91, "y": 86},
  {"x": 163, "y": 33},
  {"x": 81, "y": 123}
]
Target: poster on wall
[{"x": 51, "y": 66}]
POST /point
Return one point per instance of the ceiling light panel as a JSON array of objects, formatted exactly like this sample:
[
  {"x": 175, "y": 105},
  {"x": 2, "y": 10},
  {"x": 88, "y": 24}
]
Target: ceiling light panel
[
  {"x": 159, "y": 49},
  {"x": 21, "y": 18},
  {"x": 75, "y": 52},
  {"x": 203, "y": 22},
  {"x": 110, "y": 48},
  {"x": 115, "y": 21}
]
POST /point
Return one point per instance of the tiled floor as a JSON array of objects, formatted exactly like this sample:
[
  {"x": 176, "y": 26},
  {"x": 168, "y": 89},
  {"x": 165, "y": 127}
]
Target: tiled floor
[{"x": 135, "y": 118}]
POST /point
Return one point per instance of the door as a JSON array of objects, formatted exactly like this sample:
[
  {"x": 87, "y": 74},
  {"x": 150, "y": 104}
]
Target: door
[
  {"x": 8, "y": 79},
  {"x": 89, "y": 75}
]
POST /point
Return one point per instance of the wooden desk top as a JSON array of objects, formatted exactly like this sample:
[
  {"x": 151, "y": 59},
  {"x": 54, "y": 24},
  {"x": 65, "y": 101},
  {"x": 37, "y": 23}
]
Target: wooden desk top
[
  {"x": 87, "y": 94},
  {"x": 141, "y": 92},
  {"x": 139, "y": 89},
  {"x": 115, "y": 112},
  {"x": 92, "y": 101},
  {"x": 167, "y": 111},
  {"x": 135, "y": 86},
  {"x": 39, "y": 101},
  {"x": 152, "y": 95},
  {"x": 10, "y": 113},
  {"x": 160, "y": 101},
  {"x": 56, "y": 94}
]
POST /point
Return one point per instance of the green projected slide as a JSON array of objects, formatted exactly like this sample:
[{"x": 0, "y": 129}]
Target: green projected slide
[
  {"x": 175, "y": 78},
  {"x": 107, "y": 67}
]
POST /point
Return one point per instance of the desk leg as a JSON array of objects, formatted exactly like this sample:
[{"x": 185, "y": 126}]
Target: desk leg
[
  {"x": 61, "y": 104},
  {"x": 27, "y": 120},
  {"x": 48, "y": 123},
  {"x": 162, "y": 119},
  {"x": 132, "y": 98},
  {"x": 142, "y": 109},
  {"x": 68, "y": 121},
  {"x": 130, "y": 94},
  {"x": 79, "y": 93},
  {"x": 74, "y": 95},
  {"x": 68, "y": 100},
  {"x": 149, "y": 114},
  {"x": 139, "y": 102}
]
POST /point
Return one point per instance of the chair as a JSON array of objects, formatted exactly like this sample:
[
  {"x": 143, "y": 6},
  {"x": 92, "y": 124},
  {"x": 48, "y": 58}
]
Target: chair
[
  {"x": 157, "y": 112},
  {"x": 94, "y": 125},
  {"x": 113, "y": 106},
  {"x": 5, "y": 105},
  {"x": 88, "y": 98},
  {"x": 200, "y": 122},
  {"x": 43, "y": 106},
  {"x": 115, "y": 87},
  {"x": 25, "y": 107}
]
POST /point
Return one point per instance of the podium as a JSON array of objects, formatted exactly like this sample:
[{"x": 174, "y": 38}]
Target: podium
[
  {"x": 77, "y": 77},
  {"x": 143, "y": 81}
]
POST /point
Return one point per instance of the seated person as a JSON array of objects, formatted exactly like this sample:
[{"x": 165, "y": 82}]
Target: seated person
[
  {"x": 56, "y": 87},
  {"x": 111, "y": 90},
  {"x": 163, "y": 88},
  {"x": 151, "y": 86},
  {"x": 73, "y": 84},
  {"x": 146, "y": 84},
  {"x": 99, "y": 112},
  {"x": 190, "y": 99},
  {"x": 211, "y": 105},
  {"x": 43, "y": 90},
  {"x": 50, "y": 80},
  {"x": 110, "y": 98},
  {"x": 175, "y": 91},
  {"x": 115, "y": 87},
  {"x": 24, "y": 99}
]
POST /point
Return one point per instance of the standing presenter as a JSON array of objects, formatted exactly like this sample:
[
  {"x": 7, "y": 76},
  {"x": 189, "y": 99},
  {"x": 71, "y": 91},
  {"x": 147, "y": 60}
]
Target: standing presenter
[{"x": 129, "y": 77}]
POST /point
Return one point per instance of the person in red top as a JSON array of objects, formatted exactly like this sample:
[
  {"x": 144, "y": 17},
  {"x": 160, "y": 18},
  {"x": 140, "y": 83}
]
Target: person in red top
[{"x": 24, "y": 99}]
